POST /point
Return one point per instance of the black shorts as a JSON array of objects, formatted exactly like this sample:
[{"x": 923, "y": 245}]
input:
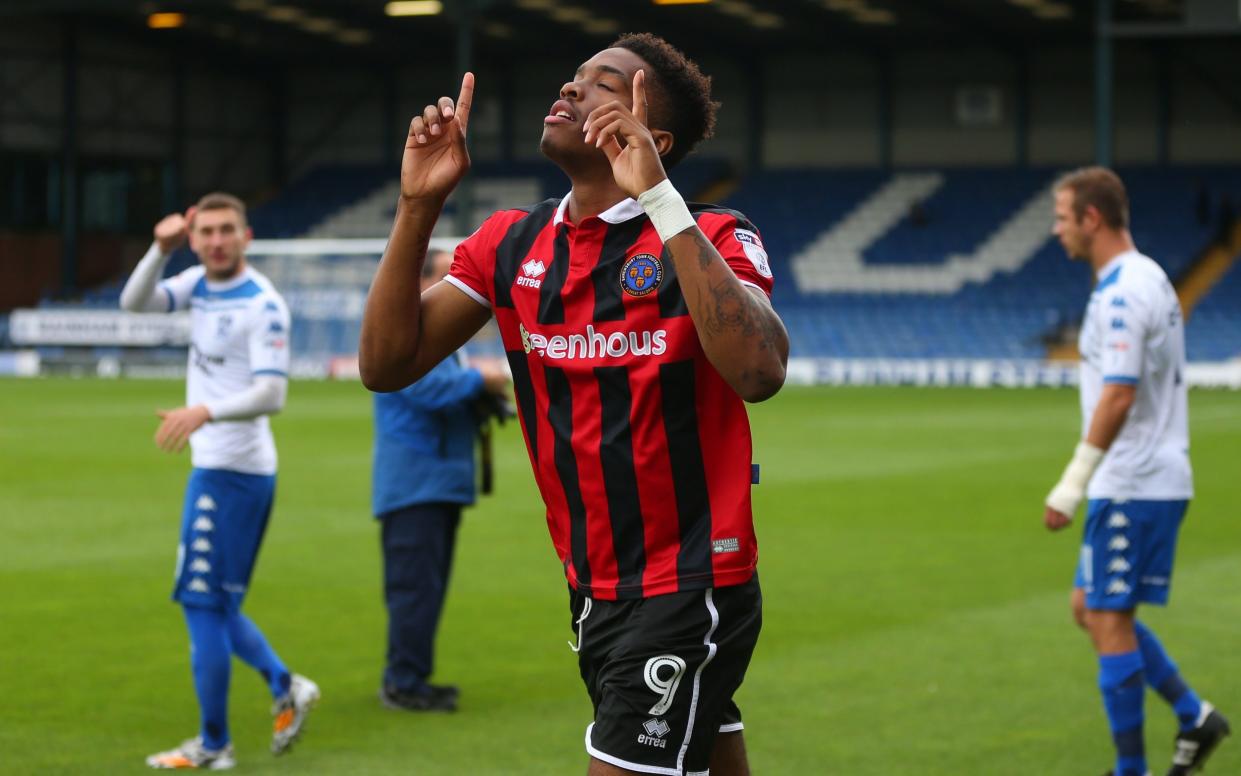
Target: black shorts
[{"x": 662, "y": 671}]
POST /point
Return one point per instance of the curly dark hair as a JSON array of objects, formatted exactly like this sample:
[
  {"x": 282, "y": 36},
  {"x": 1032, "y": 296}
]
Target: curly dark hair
[{"x": 681, "y": 101}]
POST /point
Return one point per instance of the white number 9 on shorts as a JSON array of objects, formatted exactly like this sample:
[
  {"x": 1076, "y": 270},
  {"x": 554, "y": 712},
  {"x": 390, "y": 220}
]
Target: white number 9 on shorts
[{"x": 663, "y": 686}]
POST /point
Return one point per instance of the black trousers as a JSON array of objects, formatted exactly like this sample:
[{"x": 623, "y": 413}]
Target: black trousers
[{"x": 418, "y": 544}]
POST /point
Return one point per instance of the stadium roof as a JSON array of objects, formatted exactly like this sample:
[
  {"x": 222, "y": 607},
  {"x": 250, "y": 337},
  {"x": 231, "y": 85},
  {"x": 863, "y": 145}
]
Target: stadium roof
[{"x": 361, "y": 30}]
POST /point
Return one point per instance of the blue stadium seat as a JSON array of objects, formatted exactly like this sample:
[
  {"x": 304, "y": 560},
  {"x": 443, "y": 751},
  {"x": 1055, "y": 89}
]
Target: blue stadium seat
[{"x": 1007, "y": 316}]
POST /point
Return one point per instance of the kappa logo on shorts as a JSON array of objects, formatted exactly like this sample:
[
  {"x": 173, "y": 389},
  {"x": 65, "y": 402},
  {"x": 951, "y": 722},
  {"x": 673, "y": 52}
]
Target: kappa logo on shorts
[
  {"x": 1118, "y": 520},
  {"x": 655, "y": 729},
  {"x": 200, "y": 566},
  {"x": 1118, "y": 565},
  {"x": 1118, "y": 543},
  {"x": 201, "y": 545},
  {"x": 204, "y": 524},
  {"x": 205, "y": 503},
  {"x": 1117, "y": 587},
  {"x": 198, "y": 585}
]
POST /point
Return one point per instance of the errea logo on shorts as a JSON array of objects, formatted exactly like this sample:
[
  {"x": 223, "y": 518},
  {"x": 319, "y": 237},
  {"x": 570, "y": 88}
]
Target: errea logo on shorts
[
  {"x": 530, "y": 272},
  {"x": 655, "y": 729},
  {"x": 595, "y": 344}
]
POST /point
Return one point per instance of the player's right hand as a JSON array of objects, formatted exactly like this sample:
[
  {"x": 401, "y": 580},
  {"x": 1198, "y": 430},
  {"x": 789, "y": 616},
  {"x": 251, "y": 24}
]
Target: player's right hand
[
  {"x": 1055, "y": 519},
  {"x": 435, "y": 158},
  {"x": 176, "y": 426},
  {"x": 172, "y": 231}
]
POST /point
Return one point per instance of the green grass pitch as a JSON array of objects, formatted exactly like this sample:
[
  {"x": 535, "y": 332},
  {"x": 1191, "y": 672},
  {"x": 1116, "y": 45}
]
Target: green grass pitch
[{"x": 916, "y": 616}]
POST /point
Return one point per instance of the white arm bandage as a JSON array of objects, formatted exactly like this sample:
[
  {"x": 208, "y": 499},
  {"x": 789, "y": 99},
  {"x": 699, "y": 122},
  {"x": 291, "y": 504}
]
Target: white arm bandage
[
  {"x": 140, "y": 292},
  {"x": 1069, "y": 491},
  {"x": 264, "y": 397},
  {"x": 666, "y": 209}
]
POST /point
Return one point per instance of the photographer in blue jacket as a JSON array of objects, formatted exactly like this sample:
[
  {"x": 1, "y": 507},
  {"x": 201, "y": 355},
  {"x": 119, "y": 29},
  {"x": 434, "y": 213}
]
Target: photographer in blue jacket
[{"x": 423, "y": 474}]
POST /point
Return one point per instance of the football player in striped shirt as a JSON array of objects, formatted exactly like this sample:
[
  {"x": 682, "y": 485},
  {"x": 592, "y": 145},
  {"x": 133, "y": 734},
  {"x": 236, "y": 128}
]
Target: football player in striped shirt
[{"x": 636, "y": 326}]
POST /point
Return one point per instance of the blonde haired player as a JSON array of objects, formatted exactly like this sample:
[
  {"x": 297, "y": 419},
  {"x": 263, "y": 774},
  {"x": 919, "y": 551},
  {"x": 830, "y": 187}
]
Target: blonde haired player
[{"x": 1132, "y": 465}]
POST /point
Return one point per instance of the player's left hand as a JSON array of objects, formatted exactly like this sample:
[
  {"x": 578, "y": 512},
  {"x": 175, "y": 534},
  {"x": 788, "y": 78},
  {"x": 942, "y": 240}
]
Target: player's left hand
[
  {"x": 636, "y": 165},
  {"x": 1055, "y": 520},
  {"x": 177, "y": 426}
]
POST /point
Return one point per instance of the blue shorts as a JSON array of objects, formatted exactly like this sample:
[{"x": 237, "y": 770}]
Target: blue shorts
[
  {"x": 1127, "y": 552},
  {"x": 222, "y": 527}
]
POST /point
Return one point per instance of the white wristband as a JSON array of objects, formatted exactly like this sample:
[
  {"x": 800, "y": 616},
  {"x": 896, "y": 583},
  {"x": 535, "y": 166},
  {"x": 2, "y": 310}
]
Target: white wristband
[
  {"x": 666, "y": 209},
  {"x": 1069, "y": 491}
]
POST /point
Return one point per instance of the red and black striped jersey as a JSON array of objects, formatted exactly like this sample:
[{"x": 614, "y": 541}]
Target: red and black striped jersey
[{"x": 641, "y": 451}]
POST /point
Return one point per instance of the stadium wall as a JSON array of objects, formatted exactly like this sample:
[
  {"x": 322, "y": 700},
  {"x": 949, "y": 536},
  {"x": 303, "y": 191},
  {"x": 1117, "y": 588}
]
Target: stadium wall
[
  {"x": 818, "y": 110},
  {"x": 126, "y": 107},
  {"x": 30, "y": 264},
  {"x": 824, "y": 111}
]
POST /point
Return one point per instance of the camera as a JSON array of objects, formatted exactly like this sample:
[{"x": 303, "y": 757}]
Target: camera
[
  {"x": 487, "y": 407},
  {"x": 490, "y": 407}
]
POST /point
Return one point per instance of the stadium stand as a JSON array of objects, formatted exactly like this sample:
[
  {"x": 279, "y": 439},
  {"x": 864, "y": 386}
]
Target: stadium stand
[
  {"x": 961, "y": 264},
  {"x": 1216, "y": 320},
  {"x": 359, "y": 200},
  {"x": 911, "y": 264}
]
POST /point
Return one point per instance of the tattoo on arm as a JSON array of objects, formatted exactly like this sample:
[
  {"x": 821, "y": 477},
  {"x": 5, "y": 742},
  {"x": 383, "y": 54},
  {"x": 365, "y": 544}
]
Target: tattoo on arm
[
  {"x": 706, "y": 251},
  {"x": 727, "y": 308}
]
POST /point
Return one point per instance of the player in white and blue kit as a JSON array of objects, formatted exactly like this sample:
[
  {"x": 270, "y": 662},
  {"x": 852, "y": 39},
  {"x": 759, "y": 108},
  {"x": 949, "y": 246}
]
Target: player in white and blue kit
[
  {"x": 1132, "y": 466},
  {"x": 237, "y": 376}
]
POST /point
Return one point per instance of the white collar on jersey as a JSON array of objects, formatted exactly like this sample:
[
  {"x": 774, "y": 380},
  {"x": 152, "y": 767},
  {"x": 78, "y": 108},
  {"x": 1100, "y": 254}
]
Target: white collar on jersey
[
  {"x": 231, "y": 283},
  {"x": 617, "y": 214},
  {"x": 1114, "y": 262}
]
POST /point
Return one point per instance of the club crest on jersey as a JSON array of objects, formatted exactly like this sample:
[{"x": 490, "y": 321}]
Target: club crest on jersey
[{"x": 641, "y": 274}]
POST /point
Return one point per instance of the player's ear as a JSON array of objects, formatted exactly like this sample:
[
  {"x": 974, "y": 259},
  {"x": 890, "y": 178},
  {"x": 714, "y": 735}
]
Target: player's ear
[
  {"x": 1091, "y": 218},
  {"x": 663, "y": 141}
]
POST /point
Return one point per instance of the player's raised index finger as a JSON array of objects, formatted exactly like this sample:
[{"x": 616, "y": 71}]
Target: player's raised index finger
[
  {"x": 465, "y": 100},
  {"x": 639, "y": 96}
]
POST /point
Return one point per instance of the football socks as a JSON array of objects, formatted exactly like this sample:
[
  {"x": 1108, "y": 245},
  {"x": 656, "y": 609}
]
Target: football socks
[
  {"x": 251, "y": 645},
  {"x": 1121, "y": 683},
  {"x": 211, "y": 662},
  {"x": 1162, "y": 675}
]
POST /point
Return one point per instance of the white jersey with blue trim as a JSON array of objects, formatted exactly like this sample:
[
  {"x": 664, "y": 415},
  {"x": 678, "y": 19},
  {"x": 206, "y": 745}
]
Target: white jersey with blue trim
[
  {"x": 239, "y": 329},
  {"x": 1133, "y": 333}
]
